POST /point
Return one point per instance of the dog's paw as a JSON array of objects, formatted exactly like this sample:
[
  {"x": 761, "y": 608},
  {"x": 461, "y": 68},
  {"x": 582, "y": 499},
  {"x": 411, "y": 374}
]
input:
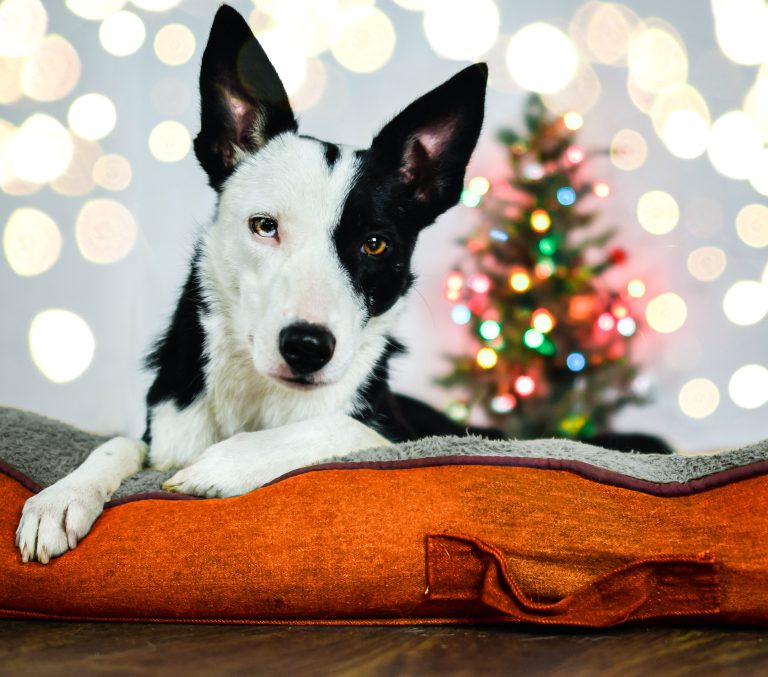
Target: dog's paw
[
  {"x": 211, "y": 476},
  {"x": 55, "y": 520}
]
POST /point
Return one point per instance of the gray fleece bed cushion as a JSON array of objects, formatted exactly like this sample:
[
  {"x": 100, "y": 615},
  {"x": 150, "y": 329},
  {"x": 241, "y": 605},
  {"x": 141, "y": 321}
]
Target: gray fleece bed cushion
[{"x": 38, "y": 451}]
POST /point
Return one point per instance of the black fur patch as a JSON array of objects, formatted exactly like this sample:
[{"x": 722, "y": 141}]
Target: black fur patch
[
  {"x": 178, "y": 358},
  {"x": 331, "y": 151}
]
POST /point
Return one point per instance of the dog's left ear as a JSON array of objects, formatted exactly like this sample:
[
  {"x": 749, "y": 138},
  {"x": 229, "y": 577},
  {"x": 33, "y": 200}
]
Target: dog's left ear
[
  {"x": 426, "y": 148},
  {"x": 243, "y": 104}
]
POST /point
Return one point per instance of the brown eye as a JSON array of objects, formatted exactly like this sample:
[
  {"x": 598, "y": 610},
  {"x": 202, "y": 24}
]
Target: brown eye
[
  {"x": 263, "y": 226},
  {"x": 375, "y": 246}
]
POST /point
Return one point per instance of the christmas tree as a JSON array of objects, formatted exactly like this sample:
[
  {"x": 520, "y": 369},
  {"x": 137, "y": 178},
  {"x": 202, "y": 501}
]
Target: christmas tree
[{"x": 550, "y": 339}]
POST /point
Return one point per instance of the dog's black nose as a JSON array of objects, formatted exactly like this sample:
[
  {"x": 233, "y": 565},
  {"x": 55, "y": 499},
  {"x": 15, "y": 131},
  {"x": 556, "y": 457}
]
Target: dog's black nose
[{"x": 306, "y": 348}]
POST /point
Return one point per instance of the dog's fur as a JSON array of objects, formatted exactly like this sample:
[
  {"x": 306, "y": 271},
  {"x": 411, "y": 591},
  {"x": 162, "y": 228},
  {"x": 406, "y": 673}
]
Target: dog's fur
[{"x": 237, "y": 400}]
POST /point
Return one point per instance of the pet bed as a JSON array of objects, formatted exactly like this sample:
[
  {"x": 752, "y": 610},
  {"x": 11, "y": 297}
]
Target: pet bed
[{"x": 445, "y": 530}]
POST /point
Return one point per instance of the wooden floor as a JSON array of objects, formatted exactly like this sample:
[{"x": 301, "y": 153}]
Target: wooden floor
[{"x": 38, "y": 648}]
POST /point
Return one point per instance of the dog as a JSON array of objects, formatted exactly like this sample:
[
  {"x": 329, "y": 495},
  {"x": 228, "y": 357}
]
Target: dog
[{"x": 277, "y": 354}]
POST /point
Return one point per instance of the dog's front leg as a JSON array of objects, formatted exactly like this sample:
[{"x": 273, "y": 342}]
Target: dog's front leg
[
  {"x": 54, "y": 520},
  {"x": 249, "y": 460}
]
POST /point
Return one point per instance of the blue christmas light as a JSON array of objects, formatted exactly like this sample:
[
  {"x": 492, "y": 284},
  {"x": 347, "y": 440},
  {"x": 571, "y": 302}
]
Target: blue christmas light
[
  {"x": 461, "y": 314},
  {"x": 576, "y": 361},
  {"x": 499, "y": 235},
  {"x": 566, "y": 196}
]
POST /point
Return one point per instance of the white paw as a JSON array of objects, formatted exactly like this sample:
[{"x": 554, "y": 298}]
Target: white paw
[
  {"x": 222, "y": 471},
  {"x": 54, "y": 520}
]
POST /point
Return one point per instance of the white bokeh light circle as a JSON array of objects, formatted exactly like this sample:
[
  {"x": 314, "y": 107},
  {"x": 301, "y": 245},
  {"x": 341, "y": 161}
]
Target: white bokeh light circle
[
  {"x": 61, "y": 344},
  {"x": 366, "y": 40},
  {"x": 752, "y": 225},
  {"x": 740, "y": 30},
  {"x": 174, "y": 44},
  {"x": 105, "y": 231},
  {"x": 707, "y": 263},
  {"x": 122, "y": 33},
  {"x": 748, "y": 387},
  {"x": 666, "y": 313},
  {"x": 735, "y": 143},
  {"x": 699, "y": 398},
  {"x": 758, "y": 177},
  {"x": 112, "y": 172},
  {"x": 685, "y": 134},
  {"x": 746, "y": 303},
  {"x": 31, "y": 241},
  {"x": 92, "y": 116},
  {"x": 94, "y": 10},
  {"x": 541, "y": 58},
  {"x": 169, "y": 141},
  {"x": 656, "y": 59},
  {"x": 52, "y": 71},
  {"x": 22, "y": 26},
  {"x": 463, "y": 30},
  {"x": 628, "y": 150},
  {"x": 41, "y": 149},
  {"x": 77, "y": 179},
  {"x": 657, "y": 212},
  {"x": 156, "y": 5},
  {"x": 10, "y": 79}
]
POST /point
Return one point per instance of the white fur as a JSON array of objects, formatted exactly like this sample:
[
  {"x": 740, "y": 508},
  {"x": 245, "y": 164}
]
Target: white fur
[{"x": 247, "y": 427}]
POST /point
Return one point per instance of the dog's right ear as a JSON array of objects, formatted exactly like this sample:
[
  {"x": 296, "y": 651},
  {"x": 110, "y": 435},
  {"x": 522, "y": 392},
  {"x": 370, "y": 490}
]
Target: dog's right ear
[{"x": 243, "y": 102}]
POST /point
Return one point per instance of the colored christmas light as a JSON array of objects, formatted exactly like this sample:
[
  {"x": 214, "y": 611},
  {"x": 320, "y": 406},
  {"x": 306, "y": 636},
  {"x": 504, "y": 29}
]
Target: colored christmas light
[
  {"x": 540, "y": 220},
  {"x": 479, "y": 283},
  {"x": 601, "y": 189},
  {"x": 489, "y": 330},
  {"x": 487, "y": 358},
  {"x": 606, "y": 321},
  {"x": 544, "y": 269},
  {"x": 520, "y": 281},
  {"x": 573, "y": 121},
  {"x": 547, "y": 347},
  {"x": 454, "y": 280},
  {"x": 573, "y": 425},
  {"x": 479, "y": 185},
  {"x": 636, "y": 289},
  {"x": 469, "y": 198},
  {"x": 533, "y": 171},
  {"x": 503, "y": 404},
  {"x": 619, "y": 310},
  {"x": 498, "y": 235},
  {"x": 542, "y": 320},
  {"x": 533, "y": 338},
  {"x": 566, "y": 196},
  {"x": 461, "y": 314},
  {"x": 452, "y": 294},
  {"x": 574, "y": 155},
  {"x": 524, "y": 386},
  {"x": 575, "y": 361},
  {"x": 458, "y": 411},
  {"x": 548, "y": 246},
  {"x": 581, "y": 306},
  {"x": 626, "y": 326}
]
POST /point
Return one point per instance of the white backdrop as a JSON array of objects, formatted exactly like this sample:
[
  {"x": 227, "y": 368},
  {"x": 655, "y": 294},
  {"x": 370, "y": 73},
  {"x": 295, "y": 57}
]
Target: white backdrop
[{"x": 126, "y": 303}]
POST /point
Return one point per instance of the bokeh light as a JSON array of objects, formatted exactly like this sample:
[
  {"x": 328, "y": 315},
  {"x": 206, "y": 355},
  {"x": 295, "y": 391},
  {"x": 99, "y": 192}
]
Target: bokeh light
[
  {"x": 746, "y": 302},
  {"x": 61, "y": 344},
  {"x": 740, "y": 29},
  {"x": 748, "y": 387},
  {"x": 520, "y": 281},
  {"x": 487, "y": 358},
  {"x": 579, "y": 95},
  {"x": 156, "y": 5},
  {"x": 699, "y": 398},
  {"x": 685, "y": 134},
  {"x": 756, "y": 104},
  {"x": 22, "y": 26},
  {"x": 460, "y": 314},
  {"x": 95, "y": 10},
  {"x": 52, "y": 71},
  {"x": 105, "y": 231},
  {"x": 366, "y": 41},
  {"x": 77, "y": 179},
  {"x": 628, "y": 150},
  {"x": 31, "y": 241},
  {"x": 41, "y": 149},
  {"x": 9, "y": 182},
  {"x": 542, "y": 58},
  {"x": 603, "y": 30},
  {"x": 735, "y": 142},
  {"x": 752, "y": 225},
  {"x": 657, "y": 212},
  {"x": 461, "y": 30},
  {"x": 174, "y": 44},
  {"x": 122, "y": 33},
  {"x": 10, "y": 79},
  {"x": 666, "y": 313},
  {"x": 707, "y": 263},
  {"x": 92, "y": 116},
  {"x": 311, "y": 90},
  {"x": 112, "y": 172},
  {"x": 636, "y": 289},
  {"x": 289, "y": 62},
  {"x": 503, "y": 404},
  {"x": 169, "y": 141},
  {"x": 656, "y": 59},
  {"x": 758, "y": 177}
]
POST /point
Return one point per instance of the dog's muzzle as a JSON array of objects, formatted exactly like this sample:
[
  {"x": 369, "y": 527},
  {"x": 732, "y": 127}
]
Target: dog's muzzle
[{"x": 306, "y": 348}]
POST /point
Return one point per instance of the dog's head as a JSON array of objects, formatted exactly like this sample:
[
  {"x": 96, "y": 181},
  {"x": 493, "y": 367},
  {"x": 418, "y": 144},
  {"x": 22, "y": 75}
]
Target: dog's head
[{"x": 312, "y": 243}]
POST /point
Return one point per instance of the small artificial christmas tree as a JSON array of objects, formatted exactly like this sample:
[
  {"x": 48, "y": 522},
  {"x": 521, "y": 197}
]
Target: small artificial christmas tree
[{"x": 550, "y": 341}]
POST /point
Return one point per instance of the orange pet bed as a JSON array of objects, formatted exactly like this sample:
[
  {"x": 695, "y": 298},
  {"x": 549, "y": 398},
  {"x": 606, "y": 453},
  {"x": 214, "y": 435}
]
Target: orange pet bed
[{"x": 444, "y": 539}]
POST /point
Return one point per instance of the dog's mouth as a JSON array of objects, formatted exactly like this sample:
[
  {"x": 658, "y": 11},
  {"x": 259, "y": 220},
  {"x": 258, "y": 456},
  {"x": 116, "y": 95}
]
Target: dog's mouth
[{"x": 300, "y": 382}]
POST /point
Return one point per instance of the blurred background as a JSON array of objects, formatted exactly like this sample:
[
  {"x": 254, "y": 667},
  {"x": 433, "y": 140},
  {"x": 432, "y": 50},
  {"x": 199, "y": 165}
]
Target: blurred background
[{"x": 102, "y": 198}]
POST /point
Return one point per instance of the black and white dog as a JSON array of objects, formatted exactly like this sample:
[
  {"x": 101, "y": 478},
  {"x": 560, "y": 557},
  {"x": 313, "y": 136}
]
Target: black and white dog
[{"x": 276, "y": 356}]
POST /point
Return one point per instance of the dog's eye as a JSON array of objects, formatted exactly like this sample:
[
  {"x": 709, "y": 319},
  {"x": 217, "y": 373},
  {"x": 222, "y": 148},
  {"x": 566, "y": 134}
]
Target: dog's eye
[
  {"x": 263, "y": 226},
  {"x": 375, "y": 246}
]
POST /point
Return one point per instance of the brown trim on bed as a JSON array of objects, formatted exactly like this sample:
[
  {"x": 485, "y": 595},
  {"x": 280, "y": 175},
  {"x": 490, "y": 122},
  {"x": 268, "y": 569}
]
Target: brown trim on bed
[{"x": 580, "y": 468}]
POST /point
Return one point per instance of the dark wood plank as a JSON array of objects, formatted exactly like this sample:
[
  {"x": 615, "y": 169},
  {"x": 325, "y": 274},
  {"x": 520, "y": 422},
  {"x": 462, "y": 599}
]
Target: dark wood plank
[{"x": 54, "y": 648}]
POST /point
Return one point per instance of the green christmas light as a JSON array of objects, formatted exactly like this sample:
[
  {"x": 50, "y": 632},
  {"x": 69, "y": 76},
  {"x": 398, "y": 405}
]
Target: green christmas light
[
  {"x": 489, "y": 330},
  {"x": 548, "y": 246},
  {"x": 533, "y": 339}
]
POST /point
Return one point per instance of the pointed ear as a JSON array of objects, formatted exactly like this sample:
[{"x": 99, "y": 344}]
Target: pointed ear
[
  {"x": 243, "y": 102},
  {"x": 426, "y": 148}
]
